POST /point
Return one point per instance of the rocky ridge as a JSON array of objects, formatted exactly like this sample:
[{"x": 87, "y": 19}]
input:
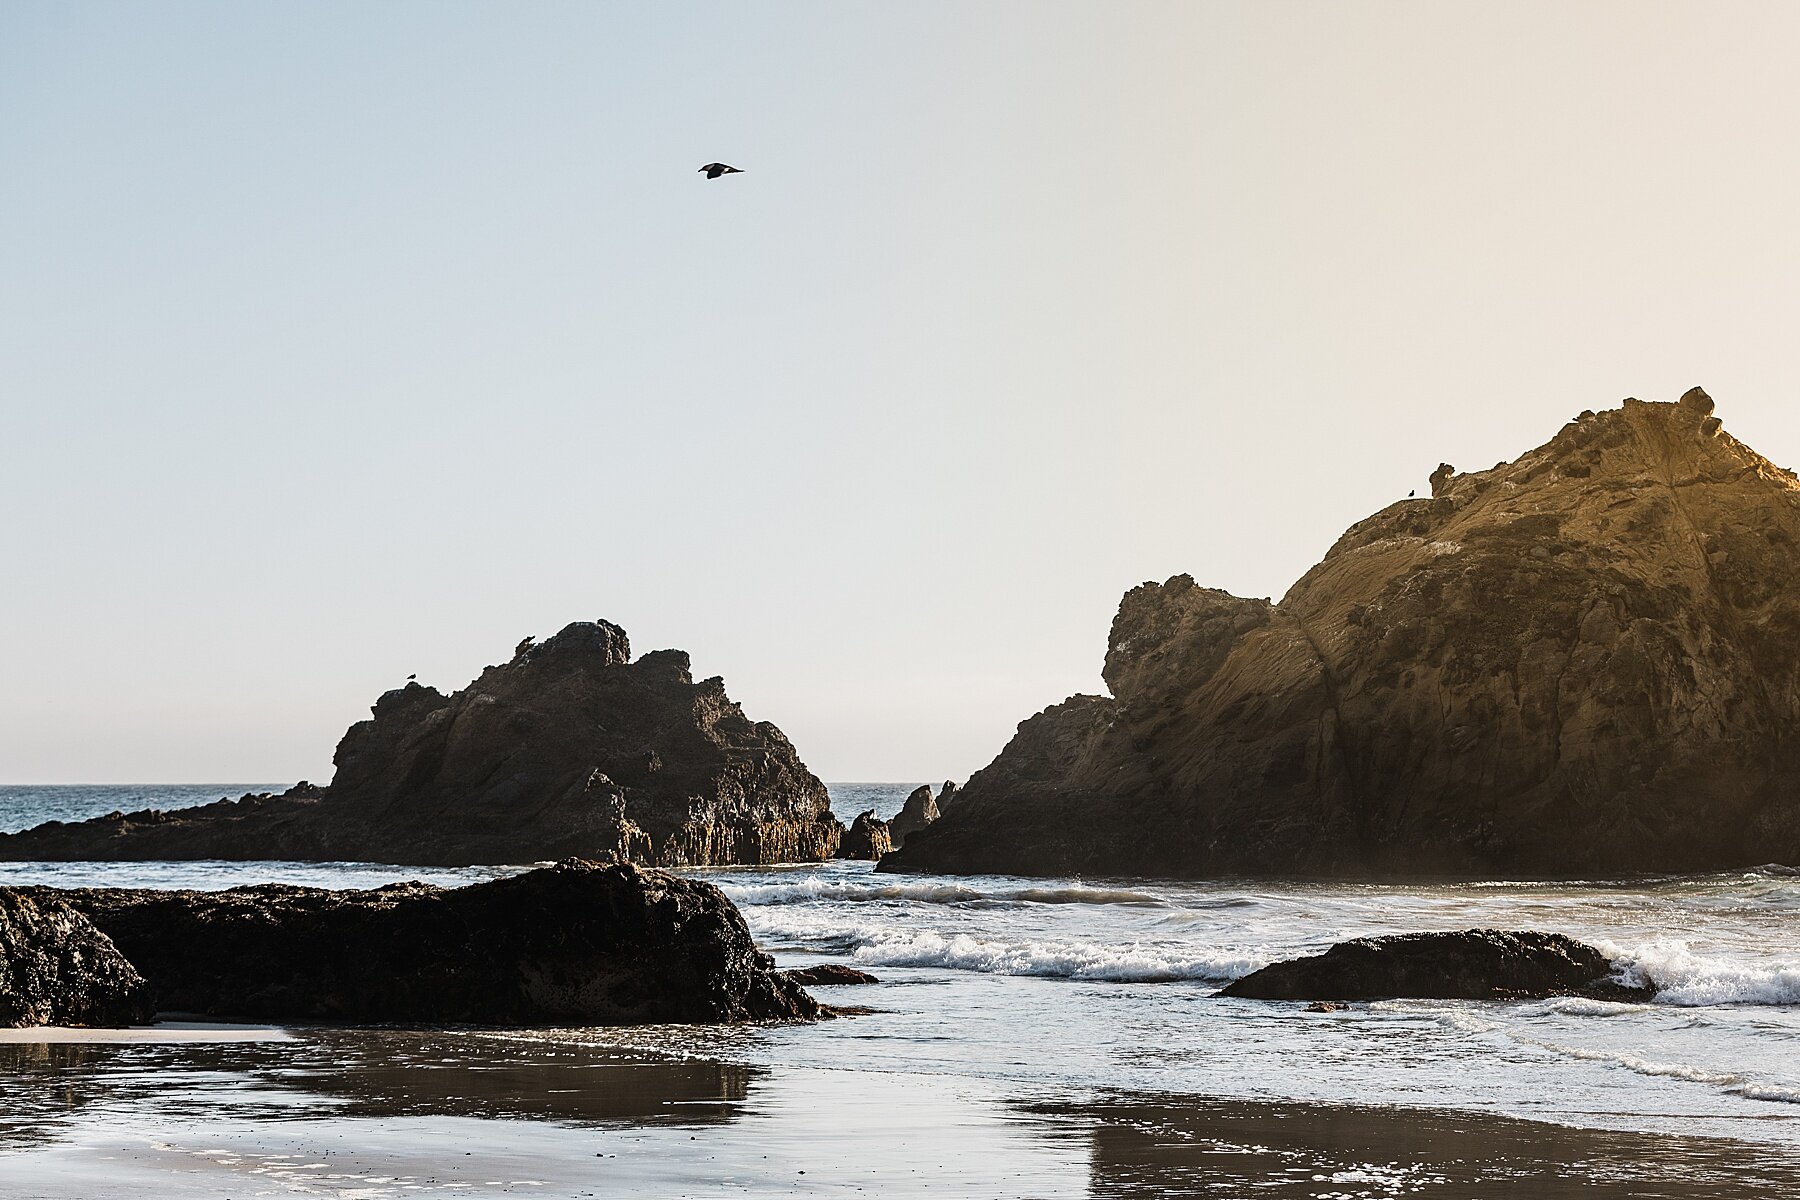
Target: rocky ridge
[
  {"x": 1585, "y": 661},
  {"x": 569, "y": 749}
]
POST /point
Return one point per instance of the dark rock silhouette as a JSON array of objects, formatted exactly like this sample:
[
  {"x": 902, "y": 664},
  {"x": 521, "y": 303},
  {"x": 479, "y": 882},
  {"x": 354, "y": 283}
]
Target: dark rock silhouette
[
  {"x": 56, "y": 968},
  {"x": 1475, "y": 964},
  {"x": 866, "y": 838},
  {"x": 1586, "y": 661},
  {"x": 829, "y": 975},
  {"x": 569, "y": 749},
  {"x": 578, "y": 943},
  {"x": 919, "y": 811}
]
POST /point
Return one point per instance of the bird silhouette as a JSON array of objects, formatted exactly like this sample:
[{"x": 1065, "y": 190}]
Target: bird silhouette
[
  {"x": 1412, "y": 493},
  {"x": 410, "y": 678},
  {"x": 714, "y": 170}
]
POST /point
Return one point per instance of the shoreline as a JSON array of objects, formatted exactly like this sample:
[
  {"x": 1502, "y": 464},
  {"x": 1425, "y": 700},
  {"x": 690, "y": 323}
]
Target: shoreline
[{"x": 235, "y": 1112}]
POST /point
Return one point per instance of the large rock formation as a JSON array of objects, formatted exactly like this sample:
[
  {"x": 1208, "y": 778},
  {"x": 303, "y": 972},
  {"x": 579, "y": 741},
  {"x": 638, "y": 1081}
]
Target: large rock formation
[
  {"x": 570, "y": 749},
  {"x": 57, "y": 969},
  {"x": 1586, "y": 661},
  {"x": 1473, "y": 964},
  {"x": 578, "y": 943}
]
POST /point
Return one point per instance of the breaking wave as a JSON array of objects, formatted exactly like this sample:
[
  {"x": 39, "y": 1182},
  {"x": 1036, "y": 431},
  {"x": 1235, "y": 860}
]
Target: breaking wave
[
  {"x": 806, "y": 890},
  {"x": 837, "y": 891},
  {"x": 1051, "y": 959},
  {"x": 1690, "y": 980}
]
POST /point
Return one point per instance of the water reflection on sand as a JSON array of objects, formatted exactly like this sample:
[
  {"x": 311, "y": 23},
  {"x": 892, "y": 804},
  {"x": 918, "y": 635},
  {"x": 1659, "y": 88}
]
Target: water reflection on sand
[{"x": 377, "y": 1113}]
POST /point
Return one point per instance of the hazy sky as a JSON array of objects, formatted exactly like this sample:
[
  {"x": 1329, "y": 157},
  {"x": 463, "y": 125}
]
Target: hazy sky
[{"x": 342, "y": 341}]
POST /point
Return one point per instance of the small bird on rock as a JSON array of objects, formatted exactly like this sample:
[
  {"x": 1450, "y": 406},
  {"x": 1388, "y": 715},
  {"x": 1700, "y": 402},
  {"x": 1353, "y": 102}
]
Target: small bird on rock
[
  {"x": 714, "y": 170},
  {"x": 410, "y": 678}
]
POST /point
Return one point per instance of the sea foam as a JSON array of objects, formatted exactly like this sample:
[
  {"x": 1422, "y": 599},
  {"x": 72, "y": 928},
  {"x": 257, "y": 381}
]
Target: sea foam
[
  {"x": 804, "y": 891},
  {"x": 1689, "y": 980},
  {"x": 1051, "y": 959},
  {"x": 1736, "y": 1084}
]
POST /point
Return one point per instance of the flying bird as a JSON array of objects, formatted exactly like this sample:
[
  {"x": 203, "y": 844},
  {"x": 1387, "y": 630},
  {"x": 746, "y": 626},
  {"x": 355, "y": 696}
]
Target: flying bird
[{"x": 714, "y": 170}]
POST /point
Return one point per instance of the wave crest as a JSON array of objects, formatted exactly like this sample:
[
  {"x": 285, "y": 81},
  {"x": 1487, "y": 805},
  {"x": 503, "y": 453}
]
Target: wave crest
[
  {"x": 839, "y": 891},
  {"x": 1056, "y": 960},
  {"x": 1688, "y": 980}
]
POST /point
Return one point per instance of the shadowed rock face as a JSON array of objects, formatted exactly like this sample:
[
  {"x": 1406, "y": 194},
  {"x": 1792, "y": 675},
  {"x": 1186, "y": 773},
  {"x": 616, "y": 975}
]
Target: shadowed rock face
[
  {"x": 867, "y": 838},
  {"x": 919, "y": 811},
  {"x": 829, "y": 975},
  {"x": 1584, "y": 661},
  {"x": 578, "y": 943},
  {"x": 1476, "y": 964},
  {"x": 569, "y": 749},
  {"x": 57, "y": 969}
]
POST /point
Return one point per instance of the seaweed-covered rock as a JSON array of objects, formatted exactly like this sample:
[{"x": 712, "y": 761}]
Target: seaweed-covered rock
[
  {"x": 569, "y": 749},
  {"x": 1474, "y": 964},
  {"x": 1584, "y": 662},
  {"x": 57, "y": 969},
  {"x": 577, "y": 943}
]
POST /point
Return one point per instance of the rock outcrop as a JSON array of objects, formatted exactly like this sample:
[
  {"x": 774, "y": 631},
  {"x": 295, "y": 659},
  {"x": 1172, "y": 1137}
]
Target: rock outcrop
[
  {"x": 1475, "y": 964},
  {"x": 569, "y": 749},
  {"x": 1586, "y": 661},
  {"x": 867, "y": 838},
  {"x": 578, "y": 943},
  {"x": 57, "y": 969},
  {"x": 829, "y": 975},
  {"x": 919, "y": 811}
]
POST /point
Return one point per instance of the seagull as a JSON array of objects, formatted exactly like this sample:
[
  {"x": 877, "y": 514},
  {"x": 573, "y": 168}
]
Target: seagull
[{"x": 714, "y": 170}]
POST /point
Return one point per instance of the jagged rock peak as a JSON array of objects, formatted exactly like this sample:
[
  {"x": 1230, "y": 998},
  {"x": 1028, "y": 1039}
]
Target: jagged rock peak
[
  {"x": 567, "y": 749},
  {"x": 597, "y": 643}
]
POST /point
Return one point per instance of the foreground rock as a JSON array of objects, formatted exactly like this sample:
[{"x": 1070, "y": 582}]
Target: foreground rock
[
  {"x": 1584, "y": 662},
  {"x": 1476, "y": 964},
  {"x": 570, "y": 749},
  {"x": 57, "y": 969},
  {"x": 578, "y": 943}
]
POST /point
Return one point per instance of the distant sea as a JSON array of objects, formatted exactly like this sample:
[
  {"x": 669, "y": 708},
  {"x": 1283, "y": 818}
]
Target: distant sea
[
  {"x": 1106, "y": 986},
  {"x": 25, "y": 805}
]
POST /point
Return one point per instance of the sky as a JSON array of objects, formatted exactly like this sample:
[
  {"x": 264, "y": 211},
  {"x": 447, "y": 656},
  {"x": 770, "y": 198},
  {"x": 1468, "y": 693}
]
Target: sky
[{"x": 344, "y": 341}]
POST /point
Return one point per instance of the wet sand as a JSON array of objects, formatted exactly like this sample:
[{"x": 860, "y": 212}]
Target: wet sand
[{"x": 362, "y": 1114}]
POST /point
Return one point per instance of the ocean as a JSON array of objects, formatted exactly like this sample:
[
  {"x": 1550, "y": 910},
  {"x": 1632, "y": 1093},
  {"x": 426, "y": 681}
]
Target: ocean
[{"x": 1009, "y": 1009}]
